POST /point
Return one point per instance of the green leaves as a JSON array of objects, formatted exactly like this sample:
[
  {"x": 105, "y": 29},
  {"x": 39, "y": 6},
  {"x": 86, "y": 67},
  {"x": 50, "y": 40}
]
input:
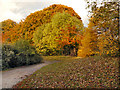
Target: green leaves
[
  {"x": 46, "y": 36},
  {"x": 42, "y": 17},
  {"x": 62, "y": 20}
]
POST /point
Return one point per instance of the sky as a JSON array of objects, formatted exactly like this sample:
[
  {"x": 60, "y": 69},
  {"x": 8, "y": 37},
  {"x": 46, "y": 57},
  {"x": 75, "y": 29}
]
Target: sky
[{"x": 18, "y": 10}]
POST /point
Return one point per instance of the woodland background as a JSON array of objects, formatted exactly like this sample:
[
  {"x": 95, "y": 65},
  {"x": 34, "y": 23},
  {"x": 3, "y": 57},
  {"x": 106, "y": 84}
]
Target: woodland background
[{"x": 59, "y": 30}]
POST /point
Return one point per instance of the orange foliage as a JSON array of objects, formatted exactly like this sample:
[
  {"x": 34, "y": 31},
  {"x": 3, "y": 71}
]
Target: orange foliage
[
  {"x": 88, "y": 43},
  {"x": 12, "y": 35},
  {"x": 7, "y": 30},
  {"x": 69, "y": 36},
  {"x": 42, "y": 17}
]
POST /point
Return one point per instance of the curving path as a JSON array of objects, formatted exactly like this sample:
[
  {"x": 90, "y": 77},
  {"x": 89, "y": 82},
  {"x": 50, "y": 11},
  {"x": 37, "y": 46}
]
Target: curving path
[{"x": 11, "y": 77}]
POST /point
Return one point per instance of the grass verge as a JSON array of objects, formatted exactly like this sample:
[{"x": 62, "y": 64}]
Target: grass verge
[
  {"x": 59, "y": 58},
  {"x": 92, "y": 72}
]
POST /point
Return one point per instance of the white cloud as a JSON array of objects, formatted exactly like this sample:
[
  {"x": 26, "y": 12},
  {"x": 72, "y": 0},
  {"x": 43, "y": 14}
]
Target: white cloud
[
  {"x": 79, "y": 7},
  {"x": 6, "y": 13},
  {"x": 19, "y": 9}
]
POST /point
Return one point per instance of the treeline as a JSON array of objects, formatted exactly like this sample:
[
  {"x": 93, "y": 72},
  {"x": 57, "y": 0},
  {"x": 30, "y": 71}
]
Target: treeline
[{"x": 58, "y": 30}]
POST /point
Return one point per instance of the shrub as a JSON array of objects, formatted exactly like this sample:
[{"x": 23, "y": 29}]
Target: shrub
[
  {"x": 24, "y": 46},
  {"x": 19, "y": 54},
  {"x": 7, "y": 55},
  {"x": 27, "y": 51}
]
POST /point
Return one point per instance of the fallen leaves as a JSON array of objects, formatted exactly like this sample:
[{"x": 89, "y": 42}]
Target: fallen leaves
[{"x": 80, "y": 73}]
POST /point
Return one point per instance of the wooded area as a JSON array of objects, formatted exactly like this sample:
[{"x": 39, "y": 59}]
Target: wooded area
[{"x": 59, "y": 30}]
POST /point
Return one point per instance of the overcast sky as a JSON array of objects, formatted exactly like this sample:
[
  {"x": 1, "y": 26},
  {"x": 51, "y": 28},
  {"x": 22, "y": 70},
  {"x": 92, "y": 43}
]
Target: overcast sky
[{"x": 19, "y": 9}]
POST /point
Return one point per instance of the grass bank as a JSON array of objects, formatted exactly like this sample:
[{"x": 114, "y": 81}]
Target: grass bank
[
  {"x": 59, "y": 58},
  {"x": 74, "y": 72}
]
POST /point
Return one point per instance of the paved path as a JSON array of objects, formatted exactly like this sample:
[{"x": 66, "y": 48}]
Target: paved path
[{"x": 11, "y": 77}]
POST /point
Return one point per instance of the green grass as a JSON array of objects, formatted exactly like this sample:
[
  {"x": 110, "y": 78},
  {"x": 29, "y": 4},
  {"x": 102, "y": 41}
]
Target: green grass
[
  {"x": 59, "y": 58},
  {"x": 73, "y": 72}
]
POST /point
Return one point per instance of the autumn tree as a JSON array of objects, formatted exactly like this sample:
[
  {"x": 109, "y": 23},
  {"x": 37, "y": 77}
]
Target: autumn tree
[
  {"x": 7, "y": 27},
  {"x": 70, "y": 29},
  {"x": 44, "y": 39},
  {"x": 41, "y": 17},
  {"x": 16, "y": 32},
  {"x": 105, "y": 18},
  {"x": 88, "y": 45},
  {"x": 69, "y": 40},
  {"x": 49, "y": 36}
]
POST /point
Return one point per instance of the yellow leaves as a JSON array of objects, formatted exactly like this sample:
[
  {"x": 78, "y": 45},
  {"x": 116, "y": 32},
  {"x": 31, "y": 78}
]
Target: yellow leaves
[
  {"x": 107, "y": 44},
  {"x": 84, "y": 51},
  {"x": 108, "y": 52},
  {"x": 88, "y": 43},
  {"x": 106, "y": 21},
  {"x": 44, "y": 16}
]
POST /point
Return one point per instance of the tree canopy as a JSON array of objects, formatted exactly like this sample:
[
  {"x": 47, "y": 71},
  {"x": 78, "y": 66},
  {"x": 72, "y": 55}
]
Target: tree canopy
[
  {"x": 59, "y": 28},
  {"x": 6, "y": 27},
  {"x": 105, "y": 20},
  {"x": 48, "y": 35},
  {"x": 41, "y": 17}
]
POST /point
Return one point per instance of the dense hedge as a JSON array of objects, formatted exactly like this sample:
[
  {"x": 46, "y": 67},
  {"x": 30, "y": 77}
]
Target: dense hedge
[{"x": 19, "y": 54}]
